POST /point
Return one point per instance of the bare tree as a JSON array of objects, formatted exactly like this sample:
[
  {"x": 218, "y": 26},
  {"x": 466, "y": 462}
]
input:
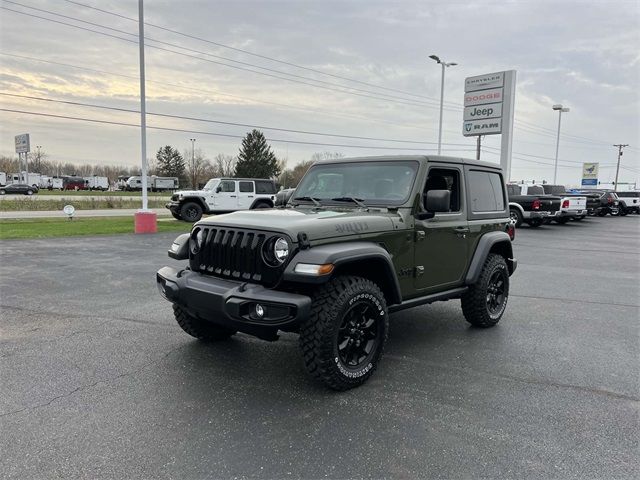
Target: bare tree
[
  {"x": 225, "y": 165},
  {"x": 198, "y": 167}
]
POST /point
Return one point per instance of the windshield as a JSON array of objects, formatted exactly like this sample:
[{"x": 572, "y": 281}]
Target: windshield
[
  {"x": 387, "y": 183},
  {"x": 211, "y": 184}
]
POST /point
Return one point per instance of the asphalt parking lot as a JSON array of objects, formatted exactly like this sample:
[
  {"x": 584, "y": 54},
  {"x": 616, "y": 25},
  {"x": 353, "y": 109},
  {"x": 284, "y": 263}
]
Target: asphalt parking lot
[{"x": 98, "y": 381}]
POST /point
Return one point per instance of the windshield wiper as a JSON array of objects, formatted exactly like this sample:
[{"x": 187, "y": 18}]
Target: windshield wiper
[
  {"x": 357, "y": 201},
  {"x": 309, "y": 199}
]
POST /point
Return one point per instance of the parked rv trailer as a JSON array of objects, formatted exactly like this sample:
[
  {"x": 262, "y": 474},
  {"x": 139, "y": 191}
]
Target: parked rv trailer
[{"x": 97, "y": 183}]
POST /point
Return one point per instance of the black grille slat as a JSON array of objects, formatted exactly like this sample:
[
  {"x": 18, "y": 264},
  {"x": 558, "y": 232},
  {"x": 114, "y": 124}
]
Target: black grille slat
[{"x": 235, "y": 254}]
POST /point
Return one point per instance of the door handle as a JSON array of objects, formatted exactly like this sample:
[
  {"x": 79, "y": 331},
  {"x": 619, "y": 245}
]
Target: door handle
[
  {"x": 232, "y": 196},
  {"x": 461, "y": 230},
  {"x": 249, "y": 196}
]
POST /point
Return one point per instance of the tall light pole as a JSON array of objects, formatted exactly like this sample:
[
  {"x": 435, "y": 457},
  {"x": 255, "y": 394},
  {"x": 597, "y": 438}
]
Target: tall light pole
[
  {"x": 145, "y": 220},
  {"x": 193, "y": 162},
  {"x": 620, "y": 147},
  {"x": 444, "y": 66},
  {"x": 560, "y": 110},
  {"x": 37, "y": 165}
]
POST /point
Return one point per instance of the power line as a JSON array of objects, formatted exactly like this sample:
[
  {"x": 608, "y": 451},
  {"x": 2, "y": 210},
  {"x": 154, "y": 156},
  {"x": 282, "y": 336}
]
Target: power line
[
  {"x": 234, "y": 124},
  {"x": 364, "y": 93},
  {"x": 200, "y": 132},
  {"x": 217, "y": 92},
  {"x": 257, "y": 55}
]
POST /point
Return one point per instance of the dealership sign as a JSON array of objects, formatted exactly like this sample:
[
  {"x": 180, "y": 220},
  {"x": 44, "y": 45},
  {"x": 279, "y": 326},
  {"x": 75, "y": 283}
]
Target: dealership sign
[
  {"x": 22, "y": 143},
  {"x": 489, "y": 102},
  {"x": 590, "y": 174}
]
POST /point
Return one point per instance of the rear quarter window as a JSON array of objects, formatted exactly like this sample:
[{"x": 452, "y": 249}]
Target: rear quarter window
[
  {"x": 486, "y": 192},
  {"x": 265, "y": 187}
]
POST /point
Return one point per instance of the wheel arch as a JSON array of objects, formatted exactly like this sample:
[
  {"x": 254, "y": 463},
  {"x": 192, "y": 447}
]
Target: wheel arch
[
  {"x": 516, "y": 206},
  {"x": 261, "y": 200},
  {"x": 497, "y": 242},
  {"x": 199, "y": 200},
  {"x": 362, "y": 259}
]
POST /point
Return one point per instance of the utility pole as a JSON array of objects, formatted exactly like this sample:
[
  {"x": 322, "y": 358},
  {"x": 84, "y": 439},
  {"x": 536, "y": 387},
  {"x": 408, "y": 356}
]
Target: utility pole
[
  {"x": 620, "y": 147},
  {"x": 478, "y": 144},
  {"x": 37, "y": 165},
  {"x": 193, "y": 163}
]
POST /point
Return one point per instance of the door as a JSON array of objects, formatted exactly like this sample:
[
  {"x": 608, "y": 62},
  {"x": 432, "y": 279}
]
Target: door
[
  {"x": 441, "y": 249},
  {"x": 246, "y": 195},
  {"x": 226, "y": 197}
]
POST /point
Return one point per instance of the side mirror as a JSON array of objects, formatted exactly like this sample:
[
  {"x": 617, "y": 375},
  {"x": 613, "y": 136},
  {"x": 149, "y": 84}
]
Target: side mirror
[
  {"x": 438, "y": 201},
  {"x": 218, "y": 188}
]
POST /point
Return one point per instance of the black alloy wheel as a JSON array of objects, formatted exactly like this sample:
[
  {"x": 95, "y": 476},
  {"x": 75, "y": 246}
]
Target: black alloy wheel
[
  {"x": 359, "y": 335},
  {"x": 496, "y": 292}
]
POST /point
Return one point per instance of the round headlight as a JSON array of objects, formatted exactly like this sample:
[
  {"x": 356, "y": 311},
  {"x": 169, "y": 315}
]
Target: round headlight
[
  {"x": 281, "y": 249},
  {"x": 196, "y": 241}
]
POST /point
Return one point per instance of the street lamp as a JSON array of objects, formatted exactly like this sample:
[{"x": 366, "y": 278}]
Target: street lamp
[
  {"x": 193, "y": 163},
  {"x": 444, "y": 65},
  {"x": 560, "y": 109}
]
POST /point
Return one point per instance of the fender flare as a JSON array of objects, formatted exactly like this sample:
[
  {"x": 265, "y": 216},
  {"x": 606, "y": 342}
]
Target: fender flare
[
  {"x": 341, "y": 255},
  {"x": 198, "y": 200},
  {"x": 261, "y": 200},
  {"x": 517, "y": 206},
  {"x": 485, "y": 244}
]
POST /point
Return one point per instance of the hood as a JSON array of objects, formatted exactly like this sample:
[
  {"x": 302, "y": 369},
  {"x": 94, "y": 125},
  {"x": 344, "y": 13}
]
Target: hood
[
  {"x": 317, "y": 224},
  {"x": 190, "y": 193}
]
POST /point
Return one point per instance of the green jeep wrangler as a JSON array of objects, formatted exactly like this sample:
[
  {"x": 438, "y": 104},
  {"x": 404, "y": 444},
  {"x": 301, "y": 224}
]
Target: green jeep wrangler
[{"x": 360, "y": 238}]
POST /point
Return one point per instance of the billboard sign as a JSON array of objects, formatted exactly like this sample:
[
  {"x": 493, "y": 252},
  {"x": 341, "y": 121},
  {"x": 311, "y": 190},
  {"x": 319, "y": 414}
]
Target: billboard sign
[
  {"x": 22, "y": 143},
  {"x": 590, "y": 174},
  {"x": 484, "y": 103}
]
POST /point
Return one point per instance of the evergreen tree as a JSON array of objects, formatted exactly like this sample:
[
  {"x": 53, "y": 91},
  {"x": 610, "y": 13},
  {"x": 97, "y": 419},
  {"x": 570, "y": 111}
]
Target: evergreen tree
[
  {"x": 256, "y": 160},
  {"x": 169, "y": 163}
]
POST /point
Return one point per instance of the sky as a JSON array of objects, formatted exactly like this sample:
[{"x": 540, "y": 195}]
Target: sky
[{"x": 335, "y": 68}]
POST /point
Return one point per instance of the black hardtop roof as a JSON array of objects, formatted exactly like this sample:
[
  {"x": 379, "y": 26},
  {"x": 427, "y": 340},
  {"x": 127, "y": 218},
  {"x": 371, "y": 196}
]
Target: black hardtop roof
[{"x": 416, "y": 158}]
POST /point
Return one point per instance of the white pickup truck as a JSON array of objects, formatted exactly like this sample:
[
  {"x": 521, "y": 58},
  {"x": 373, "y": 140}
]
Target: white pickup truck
[
  {"x": 572, "y": 206},
  {"x": 630, "y": 201},
  {"x": 221, "y": 195}
]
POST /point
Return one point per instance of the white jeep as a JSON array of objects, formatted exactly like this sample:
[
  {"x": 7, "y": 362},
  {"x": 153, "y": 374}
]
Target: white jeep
[{"x": 221, "y": 195}]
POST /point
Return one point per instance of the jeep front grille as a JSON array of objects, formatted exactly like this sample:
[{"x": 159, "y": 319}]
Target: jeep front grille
[{"x": 234, "y": 254}]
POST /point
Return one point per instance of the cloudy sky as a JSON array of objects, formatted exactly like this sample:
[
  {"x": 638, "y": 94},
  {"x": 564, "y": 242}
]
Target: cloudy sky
[{"x": 350, "y": 68}]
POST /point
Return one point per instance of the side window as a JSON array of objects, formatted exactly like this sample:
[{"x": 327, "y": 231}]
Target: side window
[
  {"x": 227, "y": 186},
  {"x": 444, "y": 179},
  {"x": 512, "y": 190},
  {"x": 265, "y": 187},
  {"x": 485, "y": 192},
  {"x": 246, "y": 187}
]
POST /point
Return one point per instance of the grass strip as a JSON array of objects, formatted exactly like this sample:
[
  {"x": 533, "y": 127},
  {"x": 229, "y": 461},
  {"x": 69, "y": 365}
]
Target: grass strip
[{"x": 61, "y": 227}]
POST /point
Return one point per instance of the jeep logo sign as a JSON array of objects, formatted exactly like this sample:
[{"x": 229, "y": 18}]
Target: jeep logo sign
[{"x": 492, "y": 110}]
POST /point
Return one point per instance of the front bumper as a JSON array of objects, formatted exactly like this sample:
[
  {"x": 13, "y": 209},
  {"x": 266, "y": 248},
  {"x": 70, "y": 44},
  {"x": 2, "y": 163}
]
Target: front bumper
[
  {"x": 173, "y": 206},
  {"x": 232, "y": 303}
]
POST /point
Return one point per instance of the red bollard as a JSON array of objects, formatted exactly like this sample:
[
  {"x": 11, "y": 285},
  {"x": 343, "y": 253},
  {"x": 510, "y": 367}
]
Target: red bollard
[{"x": 145, "y": 221}]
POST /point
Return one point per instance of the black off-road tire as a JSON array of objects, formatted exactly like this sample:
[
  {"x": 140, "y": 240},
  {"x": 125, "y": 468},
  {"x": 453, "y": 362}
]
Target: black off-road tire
[
  {"x": 515, "y": 217},
  {"x": 201, "y": 329},
  {"x": 191, "y": 212},
  {"x": 475, "y": 302},
  {"x": 334, "y": 307}
]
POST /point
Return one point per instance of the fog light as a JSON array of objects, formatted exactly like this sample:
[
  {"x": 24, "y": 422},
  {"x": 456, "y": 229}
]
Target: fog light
[{"x": 259, "y": 310}]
